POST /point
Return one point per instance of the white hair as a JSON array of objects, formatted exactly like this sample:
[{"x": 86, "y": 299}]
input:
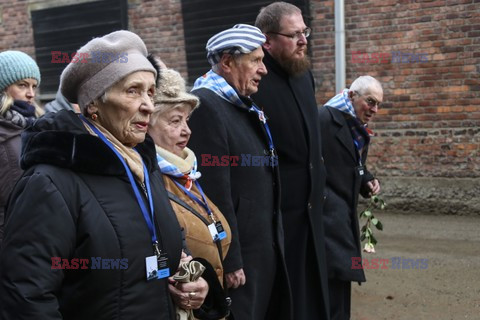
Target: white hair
[{"x": 363, "y": 83}]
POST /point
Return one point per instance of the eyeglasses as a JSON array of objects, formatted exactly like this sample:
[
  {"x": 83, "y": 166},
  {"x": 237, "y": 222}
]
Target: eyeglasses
[
  {"x": 296, "y": 35},
  {"x": 370, "y": 101}
]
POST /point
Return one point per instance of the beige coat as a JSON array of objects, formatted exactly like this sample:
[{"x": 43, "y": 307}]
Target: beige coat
[{"x": 198, "y": 238}]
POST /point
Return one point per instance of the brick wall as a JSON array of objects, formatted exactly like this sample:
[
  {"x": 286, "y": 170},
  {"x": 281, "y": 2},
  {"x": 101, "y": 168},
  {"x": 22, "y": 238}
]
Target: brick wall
[
  {"x": 15, "y": 27},
  {"x": 429, "y": 127},
  {"x": 427, "y": 145},
  {"x": 160, "y": 24}
]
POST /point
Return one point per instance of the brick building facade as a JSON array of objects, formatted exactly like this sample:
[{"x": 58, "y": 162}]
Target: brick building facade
[{"x": 426, "y": 54}]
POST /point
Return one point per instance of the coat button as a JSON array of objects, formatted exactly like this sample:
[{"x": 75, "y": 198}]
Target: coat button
[
  {"x": 309, "y": 205},
  {"x": 322, "y": 159},
  {"x": 311, "y": 166}
]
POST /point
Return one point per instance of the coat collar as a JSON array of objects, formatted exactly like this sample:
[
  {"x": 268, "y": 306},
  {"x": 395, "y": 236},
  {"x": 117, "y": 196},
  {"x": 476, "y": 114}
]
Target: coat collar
[
  {"x": 343, "y": 134},
  {"x": 60, "y": 139}
]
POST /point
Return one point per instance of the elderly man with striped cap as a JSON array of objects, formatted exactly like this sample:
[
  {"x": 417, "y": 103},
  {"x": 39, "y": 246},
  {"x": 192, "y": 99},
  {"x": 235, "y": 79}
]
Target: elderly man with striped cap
[{"x": 239, "y": 168}]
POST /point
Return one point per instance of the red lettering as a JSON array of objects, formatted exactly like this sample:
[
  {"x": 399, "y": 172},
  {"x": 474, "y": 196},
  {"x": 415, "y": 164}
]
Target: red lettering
[
  {"x": 384, "y": 263},
  {"x": 206, "y": 160},
  {"x": 74, "y": 263},
  {"x": 374, "y": 264},
  {"x": 356, "y": 263},
  {"x": 84, "y": 263},
  {"x": 364, "y": 58},
  {"x": 225, "y": 161},
  {"x": 384, "y": 57},
  {"x": 234, "y": 161},
  {"x": 75, "y": 57},
  {"x": 56, "y": 56},
  {"x": 65, "y": 264},
  {"x": 215, "y": 161},
  {"x": 84, "y": 57},
  {"x": 56, "y": 262},
  {"x": 374, "y": 58},
  {"x": 65, "y": 58},
  {"x": 365, "y": 264},
  {"x": 355, "y": 53}
]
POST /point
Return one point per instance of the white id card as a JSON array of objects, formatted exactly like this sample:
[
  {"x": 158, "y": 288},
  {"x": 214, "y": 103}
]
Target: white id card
[
  {"x": 213, "y": 231},
  {"x": 152, "y": 267}
]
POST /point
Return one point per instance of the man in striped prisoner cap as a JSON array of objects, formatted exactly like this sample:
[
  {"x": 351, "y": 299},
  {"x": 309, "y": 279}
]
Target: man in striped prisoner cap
[
  {"x": 244, "y": 184},
  {"x": 236, "y": 56}
]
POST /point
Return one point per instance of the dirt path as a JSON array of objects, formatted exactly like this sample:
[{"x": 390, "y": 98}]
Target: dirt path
[{"x": 446, "y": 287}]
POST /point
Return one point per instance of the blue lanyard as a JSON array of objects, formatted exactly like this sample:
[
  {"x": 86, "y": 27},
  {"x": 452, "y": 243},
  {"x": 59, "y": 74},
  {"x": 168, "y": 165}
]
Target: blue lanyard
[
  {"x": 358, "y": 152},
  {"x": 203, "y": 202},
  {"x": 262, "y": 118},
  {"x": 148, "y": 217}
]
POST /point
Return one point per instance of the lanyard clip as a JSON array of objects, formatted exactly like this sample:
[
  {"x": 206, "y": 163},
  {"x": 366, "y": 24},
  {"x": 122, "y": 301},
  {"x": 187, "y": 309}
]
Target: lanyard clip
[
  {"x": 156, "y": 249},
  {"x": 212, "y": 217}
]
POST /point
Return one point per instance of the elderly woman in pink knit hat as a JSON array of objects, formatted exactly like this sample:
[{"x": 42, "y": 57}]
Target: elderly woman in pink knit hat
[{"x": 90, "y": 232}]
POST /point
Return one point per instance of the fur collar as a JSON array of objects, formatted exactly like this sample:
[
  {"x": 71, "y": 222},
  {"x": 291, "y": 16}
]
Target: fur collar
[{"x": 61, "y": 139}]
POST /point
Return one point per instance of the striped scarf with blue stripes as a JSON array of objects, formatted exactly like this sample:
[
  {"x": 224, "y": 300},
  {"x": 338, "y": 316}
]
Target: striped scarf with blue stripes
[
  {"x": 177, "y": 167},
  {"x": 359, "y": 131},
  {"x": 219, "y": 85},
  {"x": 342, "y": 102}
]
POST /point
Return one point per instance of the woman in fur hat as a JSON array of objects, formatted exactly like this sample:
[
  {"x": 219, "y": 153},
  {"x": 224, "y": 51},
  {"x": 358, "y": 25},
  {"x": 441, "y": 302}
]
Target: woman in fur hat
[
  {"x": 90, "y": 232},
  {"x": 19, "y": 78},
  {"x": 206, "y": 230}
]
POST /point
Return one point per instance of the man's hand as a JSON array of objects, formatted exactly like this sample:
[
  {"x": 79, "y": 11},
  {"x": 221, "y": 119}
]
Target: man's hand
[
  {"x": 235, "y": 279},
  {"x": 374, "y": 186}
]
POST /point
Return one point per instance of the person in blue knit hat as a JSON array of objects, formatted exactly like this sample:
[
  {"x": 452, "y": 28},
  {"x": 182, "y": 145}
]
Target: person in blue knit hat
[{"x": 19, "y": 78}]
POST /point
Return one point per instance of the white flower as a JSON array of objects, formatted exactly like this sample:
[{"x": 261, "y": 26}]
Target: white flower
[{"x": 369, "y": 248}]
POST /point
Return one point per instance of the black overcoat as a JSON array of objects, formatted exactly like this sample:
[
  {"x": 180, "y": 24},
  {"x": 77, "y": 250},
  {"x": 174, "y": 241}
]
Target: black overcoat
[
  {"x": 290, "y": 105},
  {"x": 75, "y": 202},
  {"x": 245, "y": 188},
  {"x": 344, "y": 184}
]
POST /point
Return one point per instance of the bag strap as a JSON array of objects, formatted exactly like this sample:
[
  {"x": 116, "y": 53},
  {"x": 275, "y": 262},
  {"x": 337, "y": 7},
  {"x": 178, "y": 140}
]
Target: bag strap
[{"x": 179, "y": 201}]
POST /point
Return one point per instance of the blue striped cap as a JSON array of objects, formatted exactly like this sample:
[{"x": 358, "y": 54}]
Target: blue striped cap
[{"x": 240, "y": 39}]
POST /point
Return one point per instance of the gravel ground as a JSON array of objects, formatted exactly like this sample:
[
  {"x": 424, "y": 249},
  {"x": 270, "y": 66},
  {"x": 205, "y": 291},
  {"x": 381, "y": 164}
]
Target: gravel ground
[{"x": 445, "y": 287}]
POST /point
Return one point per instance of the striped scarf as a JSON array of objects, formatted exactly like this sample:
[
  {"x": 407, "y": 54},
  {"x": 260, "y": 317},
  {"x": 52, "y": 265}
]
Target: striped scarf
[
  {"x": 342, "y": 102},
  {"x": 217, "y": 84},
  {"x": 178, "y": 167},
  {"x": 360, "y": 135}
]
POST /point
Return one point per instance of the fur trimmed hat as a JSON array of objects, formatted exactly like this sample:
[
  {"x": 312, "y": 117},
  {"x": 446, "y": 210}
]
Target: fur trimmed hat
[
  {"x": 171, "y": 92},
  {"x": 16, "y": 66},
  {"x": 105, "y": 61}
]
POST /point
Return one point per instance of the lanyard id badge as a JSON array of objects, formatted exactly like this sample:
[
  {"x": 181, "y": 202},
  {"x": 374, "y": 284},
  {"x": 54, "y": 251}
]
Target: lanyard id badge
[
  {"x": 361, "y": 170},
  {"x": 216, "y": 231},
  {"x": 221, "y": 232},
  {"x": 156, "y": 265}
]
